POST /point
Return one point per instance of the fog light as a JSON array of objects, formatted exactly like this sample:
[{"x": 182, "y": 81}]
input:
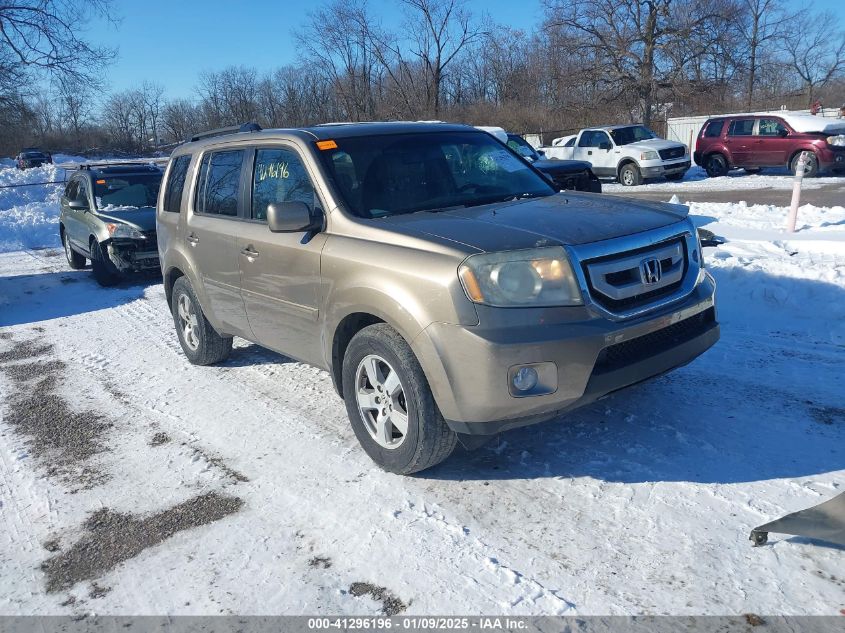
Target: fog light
[{"x": 525, "y": 378}]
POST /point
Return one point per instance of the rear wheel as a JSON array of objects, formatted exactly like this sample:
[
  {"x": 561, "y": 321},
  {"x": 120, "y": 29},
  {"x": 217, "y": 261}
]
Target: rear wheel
[
  {"x": 716, "y": 165},
  {"x": 104, "y": 271},
  {"x": 74, "y": 259},
  {"x": 199, "y": 340},
  {"x": 390, "y": 404},
  {"x": 811, "y": 168},
  {"x": 630, "y": 175}
]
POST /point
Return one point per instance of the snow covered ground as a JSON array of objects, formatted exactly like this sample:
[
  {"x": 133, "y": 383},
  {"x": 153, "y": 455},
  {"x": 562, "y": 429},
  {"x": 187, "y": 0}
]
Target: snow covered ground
[
  {"x": 696, "y": 180},
  {"x": 132, "y": 482}
]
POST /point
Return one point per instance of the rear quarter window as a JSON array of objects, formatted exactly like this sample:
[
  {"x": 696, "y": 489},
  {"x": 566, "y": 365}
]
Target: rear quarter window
[
  {"x": 713, "y": 129},
  {"x": 218, "y": 186},
  {"x": 175, "y": 185}
]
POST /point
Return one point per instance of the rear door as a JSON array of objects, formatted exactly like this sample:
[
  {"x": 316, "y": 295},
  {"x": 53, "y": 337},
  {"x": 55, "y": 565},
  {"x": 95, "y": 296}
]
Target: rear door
[
  {"x": 280, "y": 272},
  {"x": 739, "y": 141},
  {"x": 210, "y": 236},
  {"x": 771, "y": 143},
  {"x": 70, "y": 217}
]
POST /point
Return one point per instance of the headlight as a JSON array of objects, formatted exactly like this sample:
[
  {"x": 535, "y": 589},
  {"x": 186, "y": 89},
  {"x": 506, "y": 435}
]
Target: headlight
[
  {"x": 838, "y": 140},
  {"x": 533, "y": 277},
  {"x": 124, "y": 230},
  {"x": 649, "y": 156}
]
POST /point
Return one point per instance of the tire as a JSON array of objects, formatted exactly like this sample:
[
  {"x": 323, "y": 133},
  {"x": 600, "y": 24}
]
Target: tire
[
  {"x": 104, "y": 271},
  {"x": 811, "y": 170},
  {"x": 379, "y": 350},
  {"x": 200, "y": 342},
  {"x": 74, "y": 259},
  {"x": 716, "y": 165},
  {"x": 630, "y": 175},
  {"x": 675, "y": 177}
]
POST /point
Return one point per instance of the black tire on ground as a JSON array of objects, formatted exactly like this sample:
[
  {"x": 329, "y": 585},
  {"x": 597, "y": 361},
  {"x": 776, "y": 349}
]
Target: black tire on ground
[
  {"x": 716, "y": 165},
  {"x": 752, "y": 170},
  {"x": 428, "y": 440},
  {"x": 210, "y": 347},
  {"x": 674, "y": 177},
  {"x": 74, "y": 259},
  {"x": 630, "y": 175},
  {"x": 104, "y": 271},
  {"x": 811, "y": 170}
]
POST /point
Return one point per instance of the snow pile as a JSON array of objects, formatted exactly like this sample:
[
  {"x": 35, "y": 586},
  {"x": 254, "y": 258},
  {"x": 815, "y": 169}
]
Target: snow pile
[
  {"x": 790, "y": 282},
  {"x": 696, "y": 180},
  {"x": 29, "y": 215}
]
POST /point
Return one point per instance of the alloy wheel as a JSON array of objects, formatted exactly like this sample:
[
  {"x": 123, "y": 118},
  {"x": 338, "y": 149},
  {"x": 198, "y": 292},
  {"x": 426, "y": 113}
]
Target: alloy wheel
[
  {"x": 188, "y": 322},
  {"x": 381, "y": 401}
]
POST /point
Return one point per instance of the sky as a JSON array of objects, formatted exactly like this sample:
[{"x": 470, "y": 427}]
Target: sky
[{"x": 172, "y": 41}]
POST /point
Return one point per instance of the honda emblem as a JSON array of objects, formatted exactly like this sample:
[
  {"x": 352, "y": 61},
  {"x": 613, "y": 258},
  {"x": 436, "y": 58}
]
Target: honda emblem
[{"x": 650, "y": 271}]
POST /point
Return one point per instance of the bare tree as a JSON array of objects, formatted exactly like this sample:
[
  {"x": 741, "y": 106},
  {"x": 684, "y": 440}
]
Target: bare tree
[
  {"x": 180, "y": 119},
  {"x": 45, "y": 35},
  {"x": 814, "y": 50},
  {"x": 152, "y": 94},
  {"x": 75, "y": 107},
  {"x": 764, "y": 23}
]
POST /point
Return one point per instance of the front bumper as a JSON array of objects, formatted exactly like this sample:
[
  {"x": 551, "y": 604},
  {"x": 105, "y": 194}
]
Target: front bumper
[
  {"x": 665, "y": 169},
  {"x": 468, "y": 367},
  {"x": 130, "y": 256}
]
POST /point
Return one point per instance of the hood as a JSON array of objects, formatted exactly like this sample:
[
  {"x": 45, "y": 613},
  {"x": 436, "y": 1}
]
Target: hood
[
  {"x": 653, "y": 144},
  {"x": 143, "y": 218},
  {"x": 562, "y": 166},
  {"x": 567, "y": 218}
]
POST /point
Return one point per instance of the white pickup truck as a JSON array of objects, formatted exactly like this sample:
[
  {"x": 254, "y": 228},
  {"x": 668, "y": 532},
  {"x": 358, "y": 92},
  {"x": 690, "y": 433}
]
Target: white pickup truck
[{"x": 630, "y": 153}]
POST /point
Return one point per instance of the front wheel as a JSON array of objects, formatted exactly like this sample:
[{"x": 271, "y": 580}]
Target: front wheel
[
  {"x": 199, "y": 340},
  {"x": 104, "y": 271},
  {"x": 390, "y": 404},
  {"x": 811, "y": 167},
  {"x": 74, "y": 259},
  {"x": 630, "y": 175}
]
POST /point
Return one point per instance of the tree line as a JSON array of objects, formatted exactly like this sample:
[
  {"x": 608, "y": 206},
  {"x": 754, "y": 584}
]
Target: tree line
[{"x": 586, "y": 62}]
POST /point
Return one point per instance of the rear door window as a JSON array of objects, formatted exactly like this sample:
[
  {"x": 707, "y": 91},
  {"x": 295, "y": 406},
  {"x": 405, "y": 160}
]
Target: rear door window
[
  {"x": 279, "y": 176},
  {"x": 741, "y": 127},
  {"x": 714, "y": 129},
  {"x": 176, "y": 184},
  {"x": 219, "y": 180},
  {"x": 72, "y": 190}
]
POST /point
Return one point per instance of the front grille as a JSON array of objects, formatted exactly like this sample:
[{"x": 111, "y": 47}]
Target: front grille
[
  {"x": 629, "y": 352},
  {"x": 672, "y": 152},
  {"x": 618, "y": 282},
  {"x": 573, "y": 182}
]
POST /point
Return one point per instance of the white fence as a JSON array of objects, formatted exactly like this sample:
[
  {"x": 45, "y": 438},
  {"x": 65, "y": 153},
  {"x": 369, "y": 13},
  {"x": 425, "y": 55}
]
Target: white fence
[{"x": 685, "y": 129}]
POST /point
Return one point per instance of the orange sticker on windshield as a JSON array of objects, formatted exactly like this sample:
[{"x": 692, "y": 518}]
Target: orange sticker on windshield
[{"x": 326, "y": 145}]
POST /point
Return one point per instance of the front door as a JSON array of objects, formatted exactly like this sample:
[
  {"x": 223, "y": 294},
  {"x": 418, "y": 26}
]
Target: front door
[
  {"x": 593, "y": 148},
  {"x": 771, "y": 144},
  {"x": 280, "y": 272},
  {"x": 210, "y": 236}
]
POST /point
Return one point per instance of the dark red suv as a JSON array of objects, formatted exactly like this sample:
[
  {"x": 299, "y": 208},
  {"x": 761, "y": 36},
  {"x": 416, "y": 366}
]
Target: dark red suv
[{"x": 761, "y": 140}]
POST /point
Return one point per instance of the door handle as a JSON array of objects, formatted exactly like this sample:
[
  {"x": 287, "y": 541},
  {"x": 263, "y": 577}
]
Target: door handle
[
  {"x": 249, "y": 252},
  {"x": 192, "y": 239}
]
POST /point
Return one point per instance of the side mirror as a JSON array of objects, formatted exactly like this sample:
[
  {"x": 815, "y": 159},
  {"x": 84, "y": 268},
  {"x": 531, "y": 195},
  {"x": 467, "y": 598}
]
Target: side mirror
[
  {"x": 783, "y": 133},
  {"x": 290, "y": 217},
  {"x": 78, "y": 205},
  {"x": 605, "y": 146}
]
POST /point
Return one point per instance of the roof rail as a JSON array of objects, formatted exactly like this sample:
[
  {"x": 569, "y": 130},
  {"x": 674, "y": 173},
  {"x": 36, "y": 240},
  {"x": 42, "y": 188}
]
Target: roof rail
[
  {"x": 126, "y": 163},
  {"x": 233, "y": 129}
]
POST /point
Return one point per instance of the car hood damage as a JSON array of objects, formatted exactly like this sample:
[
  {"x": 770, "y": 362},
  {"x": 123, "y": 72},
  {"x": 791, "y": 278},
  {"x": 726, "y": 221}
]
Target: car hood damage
[
  {"x": 143, "y": 218},
  {"x": 563, "y": 219}
]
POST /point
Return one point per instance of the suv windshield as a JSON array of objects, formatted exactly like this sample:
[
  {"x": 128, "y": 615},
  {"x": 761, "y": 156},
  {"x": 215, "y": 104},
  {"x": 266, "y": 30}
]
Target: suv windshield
[
  {"x": 127, "y": 190},
  {"x": 632, "y": 134},
  {"x": 388, "y": 175}
]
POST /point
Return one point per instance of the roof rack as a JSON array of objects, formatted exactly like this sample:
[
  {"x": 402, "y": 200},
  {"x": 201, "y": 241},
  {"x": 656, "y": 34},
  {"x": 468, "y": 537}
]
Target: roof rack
[
  {"x": 127, "y": 163},
  {"x": 234, "y": 129}
]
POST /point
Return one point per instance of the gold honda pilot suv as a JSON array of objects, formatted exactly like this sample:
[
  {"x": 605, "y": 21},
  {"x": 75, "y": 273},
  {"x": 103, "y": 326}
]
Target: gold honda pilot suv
[{"x": 439, "y": 278}]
